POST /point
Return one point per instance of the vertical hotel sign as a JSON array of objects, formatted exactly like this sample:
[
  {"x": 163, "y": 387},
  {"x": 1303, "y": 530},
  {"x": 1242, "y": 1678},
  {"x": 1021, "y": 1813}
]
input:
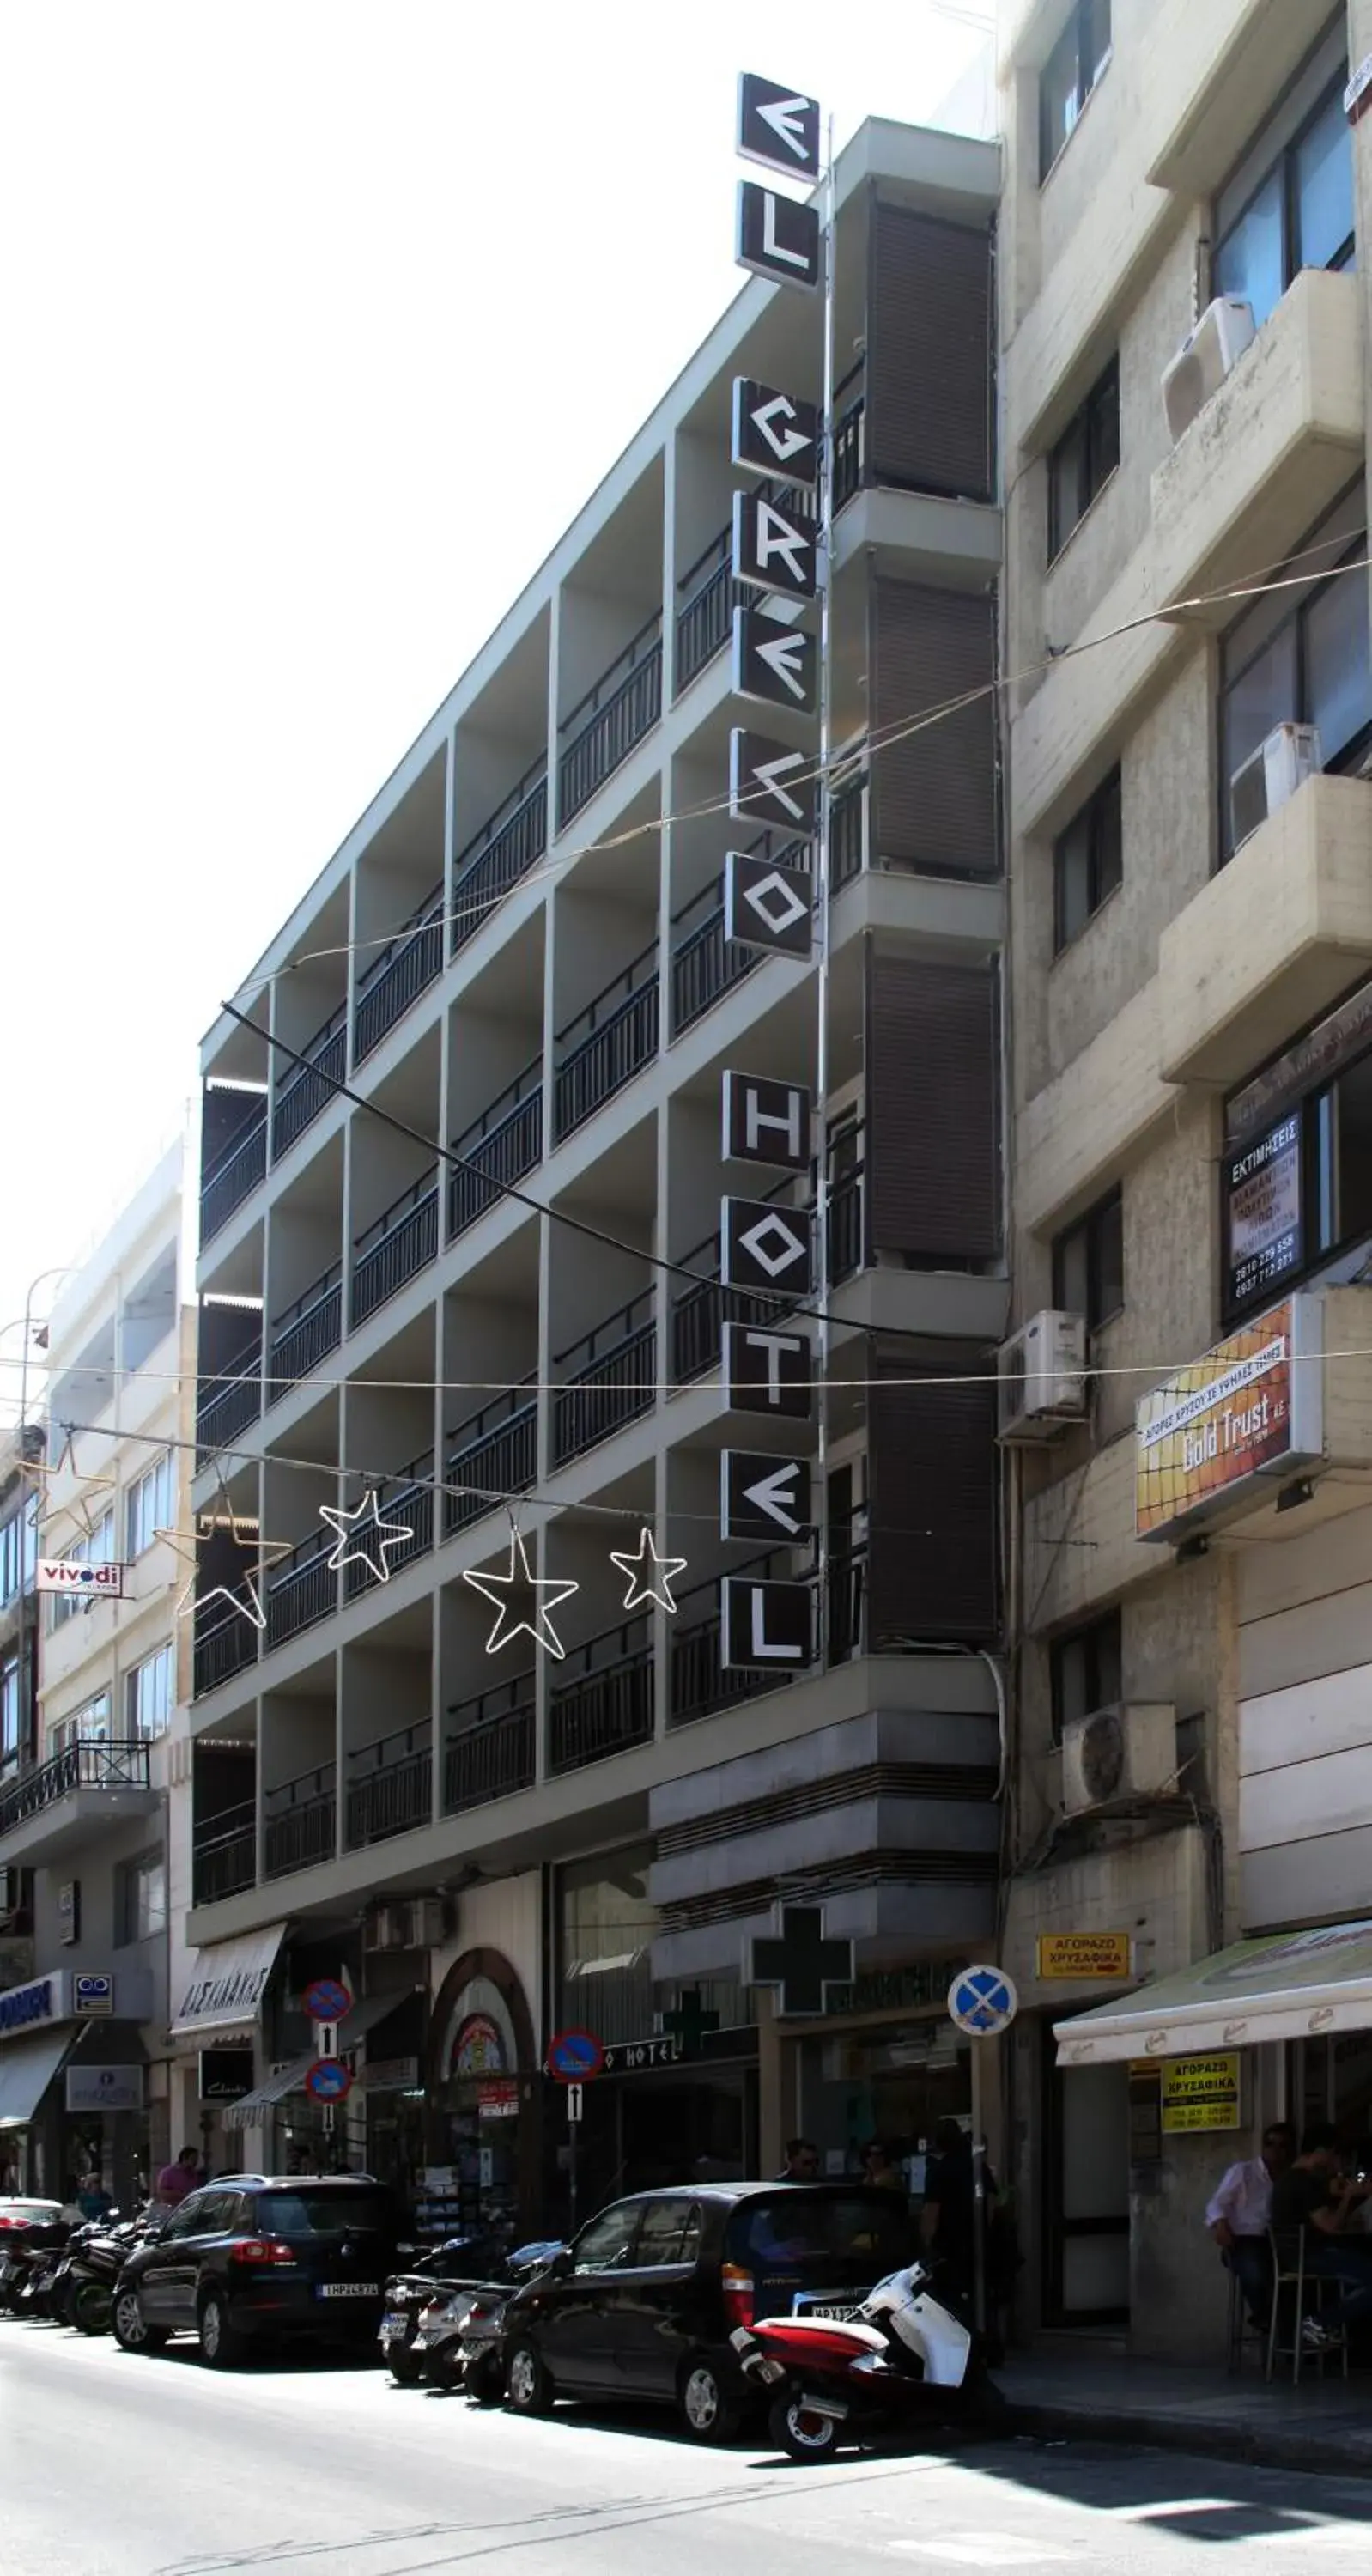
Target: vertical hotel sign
[{"x": 1251, "y": 1409}]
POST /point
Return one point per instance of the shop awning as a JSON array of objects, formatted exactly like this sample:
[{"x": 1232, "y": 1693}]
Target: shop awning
[
  {"x": 291, "y": 2078},
  {"x": 27, "y": 2068},
  {"x": 1288, "y": 1985},
  {"x": 227, "y": 1983}
]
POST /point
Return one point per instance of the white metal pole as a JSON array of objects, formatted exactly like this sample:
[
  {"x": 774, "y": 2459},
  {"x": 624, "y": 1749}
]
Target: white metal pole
[{"x": 822, "y": 860}]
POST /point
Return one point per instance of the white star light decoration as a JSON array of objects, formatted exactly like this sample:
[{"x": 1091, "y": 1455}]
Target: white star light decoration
[
  {"x": 650, "y": 1576},
  {"x": 498, "y": 1589},
  {"x": 352, "y": 1540}
]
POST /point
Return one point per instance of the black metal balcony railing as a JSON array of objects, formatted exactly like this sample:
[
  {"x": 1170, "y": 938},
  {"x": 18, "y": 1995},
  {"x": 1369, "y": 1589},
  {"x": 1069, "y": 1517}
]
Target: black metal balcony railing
[
  {"x": 301, "y": 1588},
  {"x": 847, "y": 1231},
  {"x": 608, "y": 1379},
  {"x": 698, "y": 1682},
  {"x": 602, "y": 1700},
  {"x": 701, "y": 1310},
  {"x": 390, "y": 1786},
  {"x": 490, "y": 1750},
  {"x": 233, "y": 1178},
  {"x": 408, "y": 1498},
  {"x": 225, "y": 1641},
  {"x": 307, "y": 1332},
  {"x": 224, "y": 1854},
  {"x": 607, "y": 1044},
  {"x": 494, "y": 1452},
  {"x": 506, "y": 847},
  {"x": 230, "y": 1400},
  {"x": 503, "y": 1144},
  {"x": 848, "y": 833},
  {"x": 850, "y": 449},
  {"x": 845, "y": 1629},
  {"x": 401, "y": 1242},
  {"x": 307, "y": 1088},
  {"x": 604, "y": 726},
  {"x": 399, "y": 975},
  {"x": 707, "y": 596},
  {"x": 78, "y": 1766},
  {"x": 300, "y": 1822},
  {"x": 706, "y": 965}
]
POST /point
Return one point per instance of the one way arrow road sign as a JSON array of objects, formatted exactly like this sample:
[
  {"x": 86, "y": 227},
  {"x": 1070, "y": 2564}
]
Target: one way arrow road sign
[
  {"x": 774, "y": 433},
  {"x": 760, "y": 1497},
  {"x": 778, "y": 126}
]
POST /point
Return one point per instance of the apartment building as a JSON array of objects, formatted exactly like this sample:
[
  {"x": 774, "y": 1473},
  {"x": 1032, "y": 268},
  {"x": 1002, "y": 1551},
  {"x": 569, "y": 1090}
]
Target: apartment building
[
  {"x": 86, "y": 2064},
  {"x": 503, "y": 1320},
  {"x": 18, "y": 1671},
  {"x": 1190, "y": 860}
]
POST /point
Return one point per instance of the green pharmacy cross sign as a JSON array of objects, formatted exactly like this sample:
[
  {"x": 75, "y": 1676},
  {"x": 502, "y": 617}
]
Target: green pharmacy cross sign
[{"x": 689, "y": 2024}]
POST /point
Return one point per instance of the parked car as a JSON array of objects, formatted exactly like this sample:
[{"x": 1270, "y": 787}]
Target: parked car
[
  {"x": 642, "y": 2304},
  {"x": 255, "y": 2256}
]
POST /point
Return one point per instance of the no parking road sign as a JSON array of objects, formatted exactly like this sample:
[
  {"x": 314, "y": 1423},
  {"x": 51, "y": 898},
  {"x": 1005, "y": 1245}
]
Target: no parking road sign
[
  {"x": 328, "y": 2080},
  {"x": 982, "y": 2001},
  {"x": 573, "y": 2055}
]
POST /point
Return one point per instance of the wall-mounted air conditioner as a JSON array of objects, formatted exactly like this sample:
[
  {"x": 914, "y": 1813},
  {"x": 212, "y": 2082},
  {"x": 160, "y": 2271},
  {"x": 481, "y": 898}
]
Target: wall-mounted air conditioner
[
  {"x": 1273, "y": 772},
  {"x": 1043, "y": 1377},
  {"x": 1117, "y": 1754},
  {"x": 1203, "y": 361},
  {"x": 408, "y": 1923}
]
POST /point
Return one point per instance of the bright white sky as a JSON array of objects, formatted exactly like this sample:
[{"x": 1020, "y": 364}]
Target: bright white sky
[{"x": 319, "y": 324}]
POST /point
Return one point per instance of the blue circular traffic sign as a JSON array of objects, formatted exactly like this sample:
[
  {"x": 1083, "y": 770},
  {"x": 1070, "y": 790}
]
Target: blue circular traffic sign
[
  {"x": 983, "y": 2001},
  {"x": 573, "y": 2055},
  {"x": 327, "y": 1999},
  {"x": 328, "y": 2080}
]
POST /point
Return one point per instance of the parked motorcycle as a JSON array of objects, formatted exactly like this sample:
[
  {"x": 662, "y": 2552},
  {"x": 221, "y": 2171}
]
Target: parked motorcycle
[
  {"x": 95, "y": 2257},
  {"x": 445, "y": 2268},
  {"x": 456, "y": 2335},
  {"x": 29, "y": 2253},
  {"x": 904, "y": 2361}
]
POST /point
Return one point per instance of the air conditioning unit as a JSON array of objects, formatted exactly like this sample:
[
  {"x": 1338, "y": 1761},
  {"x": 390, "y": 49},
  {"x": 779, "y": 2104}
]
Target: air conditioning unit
[
  {"x": 1118, "y": 1754},
  {"x": 1203, "y": 361},
  {"x": 409, "y": 1923},
  {"x": 1270, "y": 775},
  {"x": 1043, "y": 1377}
]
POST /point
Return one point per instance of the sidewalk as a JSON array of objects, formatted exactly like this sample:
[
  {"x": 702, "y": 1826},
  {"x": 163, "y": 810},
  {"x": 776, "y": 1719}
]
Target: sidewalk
[{"x": 1103, "y": 2396}]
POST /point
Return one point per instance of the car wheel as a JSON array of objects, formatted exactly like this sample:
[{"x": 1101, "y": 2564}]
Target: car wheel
[
  {"x": 708, "y": 2411},
  {"x": 131, "y": 2333},
  {"x": 528, "y": 2388},
  {"x": 799, "y": 2433},
  {"x": 90, "y": 2308},
  {"x": 221, "y": 2345}
]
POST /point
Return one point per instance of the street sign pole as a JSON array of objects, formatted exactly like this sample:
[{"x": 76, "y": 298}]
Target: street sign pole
[
  {"x": 982, "y": 2002},
  {"x": 978, "y": 2192}
]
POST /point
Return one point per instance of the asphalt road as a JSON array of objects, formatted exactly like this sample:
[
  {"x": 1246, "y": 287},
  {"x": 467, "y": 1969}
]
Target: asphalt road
[{"x": 112, "y": 2465}]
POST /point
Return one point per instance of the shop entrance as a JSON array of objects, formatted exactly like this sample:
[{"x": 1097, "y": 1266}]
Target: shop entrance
[
  {"x": 1086, "y": 2192},
  {"x": 642, "y": 2132}
]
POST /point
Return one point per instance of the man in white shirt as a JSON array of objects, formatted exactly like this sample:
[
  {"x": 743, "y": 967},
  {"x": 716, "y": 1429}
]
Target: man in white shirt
[{"x": 1239, "y": 2213}]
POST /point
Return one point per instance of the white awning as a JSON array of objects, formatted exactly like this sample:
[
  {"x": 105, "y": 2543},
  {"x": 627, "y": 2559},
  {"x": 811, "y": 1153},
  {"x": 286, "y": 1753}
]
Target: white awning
[
  {"x": 227, "y": 1983},
  {"x": 1288, "y": 1985},
  {"x": 27, "y": 2068}
]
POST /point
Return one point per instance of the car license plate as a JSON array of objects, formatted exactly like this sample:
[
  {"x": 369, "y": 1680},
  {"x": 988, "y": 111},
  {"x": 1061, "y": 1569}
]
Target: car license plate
[{"x": 349, "y": 2289}]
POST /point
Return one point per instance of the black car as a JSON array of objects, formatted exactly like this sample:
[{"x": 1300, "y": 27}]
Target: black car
[
  {"x": 642, "y": 2303},
  {"x": 255, "y": 2256}
]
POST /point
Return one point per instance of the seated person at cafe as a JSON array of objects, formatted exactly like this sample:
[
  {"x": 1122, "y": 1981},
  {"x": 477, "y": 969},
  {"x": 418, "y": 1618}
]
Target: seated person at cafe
[
  {"x": 1239, "y": 2213},
  {"x": 1317, "y": 2196}
]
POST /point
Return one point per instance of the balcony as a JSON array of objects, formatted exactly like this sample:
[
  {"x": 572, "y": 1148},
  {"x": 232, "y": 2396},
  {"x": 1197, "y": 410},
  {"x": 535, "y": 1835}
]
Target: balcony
[
  {"x": 607, "y": 1044},
  {"x": 306, "y": 1332},
  {"x": 233, "y": 1178},
  {"x": 65, "y": 1801},
  {"x": 506, "y": 847},
  {"x": 307, "y": 1088},
  {"x": 707, "y": 596},
  {"x": 491, "y": 1750},
  {"x": 302, "y": 1588},
  {"x": 609, "y": 1379},
  {"x": 401, "y": 1242},
  {"x": 701, "y": 1310},
  {"x": 398, "y": 976},
  {"x": 224, "y": 1854},
  {"x": 602, "y": 1701},
  {"x": 226, "y": 1634},
  {"x": 697, "y": 1683},
  {"x": 390, "y": 1786},
  {"x": 1271, "y": 450},
  {"x": 495, "y": 1453},
  {"x": 300, "y": 1822},
  {"x": 1271, "y": 941},
  {"x": 705, "y": 965},
  {"x": 505, "y": 1143},
  {"x": 407, "y": 1497},
  {"x": 229, "y": 1401},
  {"x": 602, "y": 730}
]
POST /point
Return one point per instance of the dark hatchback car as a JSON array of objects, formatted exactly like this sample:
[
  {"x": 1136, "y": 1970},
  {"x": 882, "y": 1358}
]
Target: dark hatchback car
[
  {"x": 642, "y": 2303},
  {"x": 253, "y": 2257}
]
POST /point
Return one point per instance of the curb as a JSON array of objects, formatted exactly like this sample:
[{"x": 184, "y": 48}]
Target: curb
[{"x": 1248, "y": 2444}]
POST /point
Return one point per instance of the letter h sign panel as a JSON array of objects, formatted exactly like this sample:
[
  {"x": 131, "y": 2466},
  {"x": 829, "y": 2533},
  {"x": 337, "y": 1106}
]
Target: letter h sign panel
[{"x": 766, "y": 1122}]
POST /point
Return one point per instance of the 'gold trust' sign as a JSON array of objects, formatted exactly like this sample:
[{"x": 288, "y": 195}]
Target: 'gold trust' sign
[{"x": 1251, "y": 1408}]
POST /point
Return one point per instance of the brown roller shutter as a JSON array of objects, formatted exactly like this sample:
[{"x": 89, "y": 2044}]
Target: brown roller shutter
[
  {"x": 934, "y": 788},
  {"x": 933, "y": 1475},
  {"x": 929, "y": 408},
  {"x": 932, "y": 1112}
]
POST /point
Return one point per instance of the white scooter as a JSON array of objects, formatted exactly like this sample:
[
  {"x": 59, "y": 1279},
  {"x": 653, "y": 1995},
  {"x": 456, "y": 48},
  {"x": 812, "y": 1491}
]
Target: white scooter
[{"x": 904, "y": 2360}]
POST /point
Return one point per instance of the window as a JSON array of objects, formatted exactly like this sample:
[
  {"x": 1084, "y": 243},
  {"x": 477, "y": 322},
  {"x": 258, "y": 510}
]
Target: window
[
  {"x": 1289, "y": 205},
  {"x": 1301, "y": 656},
  {"x": 149, "y": 1506},
  {"x": 669, "y": 2232},
  {"x": 607, "y": 2245},
  {"x": 1088, "y": 861},
  {"x": 89, "y": 1725},
  {"x": 1070, "y": 74},
  {"x": 1088, "y": 1263},
  {"x": 18, "y": 1548},
  {"x": 150, "y": 1695},
  {"x": 1084, "y": 458},
  {"x": 9, "y": 1712},
  {"x": 96, "y": 1550},
  {"x": 1086, "y": 1670},
  {"x": 141, "y": 1898}
]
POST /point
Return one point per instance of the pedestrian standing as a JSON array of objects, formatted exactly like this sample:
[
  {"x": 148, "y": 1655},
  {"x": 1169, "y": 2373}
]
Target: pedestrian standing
[{"x": 176, "y": 2181}]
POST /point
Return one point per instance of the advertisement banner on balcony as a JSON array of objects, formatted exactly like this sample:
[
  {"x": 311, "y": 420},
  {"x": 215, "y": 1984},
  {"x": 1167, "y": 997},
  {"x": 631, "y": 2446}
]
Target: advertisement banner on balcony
[
  {"x": 1211, "y": 1438},
  {"x": 1264, "y": 1240},
  {"x": 67, "y": 1575}
]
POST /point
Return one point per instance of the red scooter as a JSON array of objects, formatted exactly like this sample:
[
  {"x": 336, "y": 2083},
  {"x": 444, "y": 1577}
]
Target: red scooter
[{"x": 905, "y": 2360}]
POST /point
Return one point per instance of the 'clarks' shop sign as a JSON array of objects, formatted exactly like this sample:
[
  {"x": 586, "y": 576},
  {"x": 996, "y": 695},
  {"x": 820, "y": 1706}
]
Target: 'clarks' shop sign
[
  {"x": 69, "y": 1995},
  {"x": 1252, "y": 1408}
]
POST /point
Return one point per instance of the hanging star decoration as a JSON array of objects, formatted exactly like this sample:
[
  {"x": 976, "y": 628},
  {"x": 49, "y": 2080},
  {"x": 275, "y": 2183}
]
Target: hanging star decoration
[
  {"x": 650, "y": 1576},
  {"x": 354, "y": 1530},
  {"x": 246, "y": 1597},
  {"x": 42, "y": 1475},
  {"x": 502, "y": 1591}
]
